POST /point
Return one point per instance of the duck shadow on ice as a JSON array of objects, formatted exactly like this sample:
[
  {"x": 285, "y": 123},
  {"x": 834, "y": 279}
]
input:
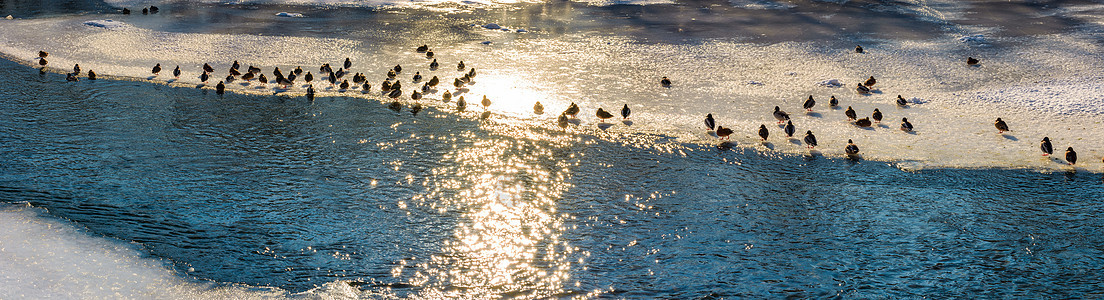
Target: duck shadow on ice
[
  {"x": 1010, "y": 137},
  {"x": 768, "y": 145},
  {"x": 813, "y": 114},
  {"x": 883, "y": 126},
  {"x": 794, "y": 141},
  {"x": 627, "y": 122},
  {"x": 575, "y": 122},
  {"x": 604, "y": 126},
  {"x": 726, "y": 145}
]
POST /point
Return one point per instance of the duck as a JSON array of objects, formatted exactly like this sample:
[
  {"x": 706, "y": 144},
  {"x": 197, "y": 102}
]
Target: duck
[
  {"x": 809, "y": 103},
  {"x": 309, "y": 77},
  {"x": 858, "y": 49},
  {"x": 234, "y": 72},
  {"x": 332, "y": 78},
  {"x": 460, "y": 66},
  {"x": 176, "y": 72},
  {"x": 385, "y": 86},
  {"x": 458, "y": 83},
  {"x": 207, "y": 68},
  {"x": 1001, "y": 126},
  {"x": 603, "y": 114},
  {"x": 204, "y": 77},
  {"x": 422, "y": 48},
  {"x": 901, "y": 101},
  {"x": 394, "y": 94},
  {"x": 780, "y": 115},
  {"x": 291, "y": 77},
  {"x": 153, "y": 9},
  {"x": 471, "y": 74},
  {"x": 425, "y": 88},
  {"x": 391, "y": 74},
  {"x": 348, "y": 63},
  {"x": 229, "y": 78},
  {"x": 665, "y": 82},
  {"x": 446, "y": 96},
  {"x": 91, "y": 75},
  {"x": 723, "y": 132},
  {"x": 395, "y": 106},
  {"x": 810, "y": 139},
  {"x": 870, "y": 82},
  {"x": 429, "y": 54},
  {"x": 1045, "y": 145},
  {"x": 625, "y": 112},
  {"x": 247, "y": 76},
  {"x": 763, "y": 132},
  {"x": 572, "y": 110},
  {"x": 562, "y": 121},
  {"x": 850, "y": 113},
  {"x": 366, "y": 87},
  {"x": 325, "y": 68},
  {"x": 235, "y": 65},
  {"x": 76, "y": 69},
  {"x": 709, "y": 122},
  {"x": 156, "y": 69},
  {"x": 344, "y": 85},
  {"x": 43, "y": 54},
  {"x": 539, "y": 109},
  {"x": 310, "y": 91},
  {"x": 789, "y": 129},
  {"x": 417, "y": 76},
  {"x": 905, "y": 125},
  {"x": 486, "y": 102},
  {"x": 396, "y": 85},
  {"x": 126, "y": 11},
  {"x": 851, "y": 148},
  {"x": 877, "y": 116},
  {"x": 298, "y": 70},
  {"x": 70, "y": 77},
  {"x": 42, "y": 61},
  {"x": 972, "y": 61},
  {"x": 862, "y": 89},
  {"x": 461, "y": 104},
  {"x": 340, "y": 73},
  {"x": 864, "y": 122},
  {"x": 397, "y": 68},
  {"x": 833, "y": 102},
  {"x": 434, "y": 65},
  {"x": 220, "y": 88},
  {"x": 434, "y": 81},
  {"x": 415, "y": 95},
  {"x": 1071, "y": 156},
  {"x": 275, "y": 71},
  {"x": 262, "y": 79}
]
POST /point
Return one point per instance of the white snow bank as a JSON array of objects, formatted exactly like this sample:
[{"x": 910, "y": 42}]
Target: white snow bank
[{"x": 42, "y": 258}]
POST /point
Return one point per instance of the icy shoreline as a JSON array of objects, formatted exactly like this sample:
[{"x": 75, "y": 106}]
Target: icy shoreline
[{"x": 953, "y": 107}]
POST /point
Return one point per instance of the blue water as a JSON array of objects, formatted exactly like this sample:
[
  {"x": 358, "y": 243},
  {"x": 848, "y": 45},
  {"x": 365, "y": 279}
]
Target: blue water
[{"x": 292, "y": 193}]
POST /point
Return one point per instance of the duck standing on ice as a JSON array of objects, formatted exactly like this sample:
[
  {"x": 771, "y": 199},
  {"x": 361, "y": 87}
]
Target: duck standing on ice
[
  {"x": 1001, "y": 126},
  {"x": 1045, "y": 145},
  {"x": 780, "y": 115},
  {"x": 1071, "y": 156}
]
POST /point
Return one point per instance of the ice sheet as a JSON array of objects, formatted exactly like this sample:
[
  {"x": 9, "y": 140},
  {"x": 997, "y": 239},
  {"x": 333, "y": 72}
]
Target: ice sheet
[{"x": 1032, "y": 84}]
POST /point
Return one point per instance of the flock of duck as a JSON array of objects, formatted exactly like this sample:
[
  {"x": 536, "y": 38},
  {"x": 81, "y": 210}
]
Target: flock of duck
[{"x": 392, "y": 88}]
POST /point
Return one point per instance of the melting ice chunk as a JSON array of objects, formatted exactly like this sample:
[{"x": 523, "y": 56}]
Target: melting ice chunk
[
  {"x": 109, "y": 24},
  {"x": 835, "y": 83},
  {"x": 289, "y": 15}
]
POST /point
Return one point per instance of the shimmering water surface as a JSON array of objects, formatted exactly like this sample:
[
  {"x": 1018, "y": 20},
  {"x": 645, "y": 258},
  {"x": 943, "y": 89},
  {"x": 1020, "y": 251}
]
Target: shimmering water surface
[{"x": 284, "y": 192}]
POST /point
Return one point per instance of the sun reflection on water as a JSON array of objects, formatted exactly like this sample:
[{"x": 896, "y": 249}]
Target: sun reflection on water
[{"x": 503, "y": 190}]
